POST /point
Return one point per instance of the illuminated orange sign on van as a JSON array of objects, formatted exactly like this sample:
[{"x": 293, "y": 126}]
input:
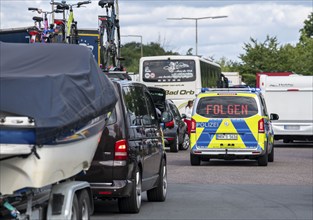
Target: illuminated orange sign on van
[{"x": 236, "y": 109}]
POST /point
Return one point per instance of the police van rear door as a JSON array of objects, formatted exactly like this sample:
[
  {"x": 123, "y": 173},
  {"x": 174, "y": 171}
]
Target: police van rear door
[{"x": 227, "y": 121}]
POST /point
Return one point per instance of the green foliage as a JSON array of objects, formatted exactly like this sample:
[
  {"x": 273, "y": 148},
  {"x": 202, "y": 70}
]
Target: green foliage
[
  {"x": 228, "y": 65},
  {"x": 307, "y": 30},
  {"x": 189, "y": 51},
  {"x": 262, "y": 57},
  {"x": 249, "y": 79},
  {"x": 303, "y": 57},
  {"x": 131, "y": 53}
]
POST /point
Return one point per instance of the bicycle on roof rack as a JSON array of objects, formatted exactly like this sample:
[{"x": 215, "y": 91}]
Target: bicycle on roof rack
[
  {"x": 69, "y": 26},
  {"x": 109, "y": 31},
  {"x": 45, "y": 34}
]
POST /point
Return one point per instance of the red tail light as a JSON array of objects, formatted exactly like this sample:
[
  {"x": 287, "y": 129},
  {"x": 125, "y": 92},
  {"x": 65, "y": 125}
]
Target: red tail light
[
  {"x": 193, "y": 126},
  {"x": 169, "y": 124},
  {"x": 120, "y": 150},
  {"x": 261, "y": 126}
]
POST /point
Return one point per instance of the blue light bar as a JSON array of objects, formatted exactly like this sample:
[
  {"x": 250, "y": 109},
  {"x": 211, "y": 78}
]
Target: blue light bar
[{"x": 247, "y": 89}]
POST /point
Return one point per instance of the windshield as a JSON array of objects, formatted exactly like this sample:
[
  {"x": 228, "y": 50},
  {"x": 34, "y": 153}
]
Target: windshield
[
  {"x": 227, "y": 107},
  {"x": 169, "y": 71}
]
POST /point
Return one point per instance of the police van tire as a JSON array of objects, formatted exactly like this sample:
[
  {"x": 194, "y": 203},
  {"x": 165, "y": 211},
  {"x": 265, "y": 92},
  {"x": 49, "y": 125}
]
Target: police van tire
[
  {"x": 175, "y": 145},
  {"x": 263, "y": 160},
  {"x": 194, "y": 160},
  {"x": 271, "y": 155}
]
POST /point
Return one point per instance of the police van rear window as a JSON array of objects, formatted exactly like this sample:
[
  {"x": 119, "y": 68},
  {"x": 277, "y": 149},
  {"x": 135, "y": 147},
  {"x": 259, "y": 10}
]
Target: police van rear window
[{"x": 227, "y": 107}]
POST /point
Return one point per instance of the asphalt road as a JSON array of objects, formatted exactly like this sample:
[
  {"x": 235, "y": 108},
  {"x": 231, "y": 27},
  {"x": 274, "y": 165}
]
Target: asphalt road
[{"x": 232, "y": 189}]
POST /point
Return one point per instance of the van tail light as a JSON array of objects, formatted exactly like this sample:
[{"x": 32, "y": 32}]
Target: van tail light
[
  {"x": 169, "y": 124},
  {"x": 193, "y": 126},
  {"x": 120, "y": 150},
  {"x": 261, "y": 126}
]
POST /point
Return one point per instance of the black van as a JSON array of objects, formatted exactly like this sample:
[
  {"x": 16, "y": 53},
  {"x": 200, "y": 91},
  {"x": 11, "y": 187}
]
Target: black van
[{"x": 130, "y": 158}]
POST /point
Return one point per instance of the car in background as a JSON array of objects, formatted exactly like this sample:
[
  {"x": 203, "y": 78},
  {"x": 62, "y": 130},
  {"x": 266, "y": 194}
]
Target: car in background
[
  {"x": 118, "y": 75},
  {"x": 130, "y": 157},
  {"x": 231, "y": 124},
  {"x": 174, "y": 129}
]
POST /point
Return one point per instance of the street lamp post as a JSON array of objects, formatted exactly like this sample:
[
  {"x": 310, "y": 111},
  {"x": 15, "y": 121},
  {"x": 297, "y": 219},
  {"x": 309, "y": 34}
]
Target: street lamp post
[
  {"x": 196, "y": 20},
  {"x": 131, "y": 35}
]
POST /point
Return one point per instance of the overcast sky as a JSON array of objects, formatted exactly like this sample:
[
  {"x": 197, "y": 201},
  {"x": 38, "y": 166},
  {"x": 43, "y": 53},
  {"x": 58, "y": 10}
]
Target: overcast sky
[{"x": 217, "y": 38}]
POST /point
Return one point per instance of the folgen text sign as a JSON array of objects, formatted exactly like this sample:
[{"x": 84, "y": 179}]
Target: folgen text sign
[
  {"x": 227, "y": 107},
  {"x": 236, "y": 109}
]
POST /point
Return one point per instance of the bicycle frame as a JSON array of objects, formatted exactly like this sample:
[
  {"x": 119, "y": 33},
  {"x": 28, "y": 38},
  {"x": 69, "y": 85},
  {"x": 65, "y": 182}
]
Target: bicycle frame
[
  {"x": 35, "y": 32},
  {"x": 109, "y": 23},
  {"x": 70, "y": 31},
  {"x": 46, "y": 33}
]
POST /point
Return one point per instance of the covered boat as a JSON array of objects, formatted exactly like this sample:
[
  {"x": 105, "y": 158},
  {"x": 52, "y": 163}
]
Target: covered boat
[{"x": 54, "y": 100}]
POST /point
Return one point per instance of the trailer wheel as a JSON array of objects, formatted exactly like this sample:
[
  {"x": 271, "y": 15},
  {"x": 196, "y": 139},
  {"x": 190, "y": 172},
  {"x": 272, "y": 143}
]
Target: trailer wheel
[
  {"x": 75, "y": 209},
  {"x": 84, "y": 205}
]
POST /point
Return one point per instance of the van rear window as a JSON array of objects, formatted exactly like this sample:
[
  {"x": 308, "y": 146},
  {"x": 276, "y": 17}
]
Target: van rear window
[{"x": 227, "y": 107}]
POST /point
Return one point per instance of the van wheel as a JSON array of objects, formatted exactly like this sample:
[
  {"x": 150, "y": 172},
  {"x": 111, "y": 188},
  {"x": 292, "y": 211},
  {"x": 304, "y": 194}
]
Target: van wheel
[
  {"x": 194, "y": 160},
  {"x": 262, "y": 160},
  {"x": 84, "y": 205},
  {"x": 271, "y": 155},
  {"x": 175, "y": 145},
  {"x": 132, "y": 203},
  {"x": 185, "y": 145},
  {"x": 158, "y": 194}
]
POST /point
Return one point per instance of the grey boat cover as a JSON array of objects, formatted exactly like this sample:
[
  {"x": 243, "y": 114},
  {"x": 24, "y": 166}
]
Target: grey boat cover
[{"x": 58, "y": 85}]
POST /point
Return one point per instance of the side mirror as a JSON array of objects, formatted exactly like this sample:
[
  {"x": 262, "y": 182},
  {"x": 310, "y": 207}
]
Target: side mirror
[
  {"x": 274, "y": 116},
  {"x": 183, "y": 116},
  {"x": 166, "y": 117}
]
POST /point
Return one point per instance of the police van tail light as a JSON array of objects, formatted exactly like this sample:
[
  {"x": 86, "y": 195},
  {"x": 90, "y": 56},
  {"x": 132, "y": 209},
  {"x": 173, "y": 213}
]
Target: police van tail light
[
  {"x": 193, "y": 126},
  {"x": 120, "y": 150},
  {"x": 261, "y": 126}
]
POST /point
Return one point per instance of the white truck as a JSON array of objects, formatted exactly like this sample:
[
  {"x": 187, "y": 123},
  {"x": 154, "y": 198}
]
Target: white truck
[
  {"x": 234, "y": 78},
  {"x": 291, "y": 97}
]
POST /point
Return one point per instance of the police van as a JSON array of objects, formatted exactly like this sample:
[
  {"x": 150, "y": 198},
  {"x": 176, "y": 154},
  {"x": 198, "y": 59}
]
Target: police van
[{"x": 231, "y": 124}]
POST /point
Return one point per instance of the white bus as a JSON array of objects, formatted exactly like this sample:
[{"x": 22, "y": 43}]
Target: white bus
[{"x": 181, "y": 76}]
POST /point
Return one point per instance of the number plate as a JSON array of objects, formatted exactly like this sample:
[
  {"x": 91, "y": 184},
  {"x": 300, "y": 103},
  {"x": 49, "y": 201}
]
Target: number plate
[
  {"x": 292, "y": 127},
  {"x": 226, "y": 137}
]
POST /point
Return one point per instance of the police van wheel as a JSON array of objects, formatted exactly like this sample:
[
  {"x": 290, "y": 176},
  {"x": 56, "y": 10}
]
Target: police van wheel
[
  {"x": 262, "y": 161},
  {"x": 194, "y": 160},
  {"x": 271, "y": 155}
]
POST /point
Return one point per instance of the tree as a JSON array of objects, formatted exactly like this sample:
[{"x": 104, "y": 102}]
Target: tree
[
  {"x": 307, "y": 30},
  {"x": 228, "y": 65},
  {"x": 261, "y": 57},
  {"x": 189, "y": 51},
  {"x": 131, "y": 52}
]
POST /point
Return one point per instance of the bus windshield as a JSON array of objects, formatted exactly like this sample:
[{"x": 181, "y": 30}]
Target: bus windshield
[{"x": 169, "y": 71}]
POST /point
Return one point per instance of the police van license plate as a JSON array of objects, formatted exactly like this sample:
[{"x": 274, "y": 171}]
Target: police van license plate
[{"x": 226, "y": 137}]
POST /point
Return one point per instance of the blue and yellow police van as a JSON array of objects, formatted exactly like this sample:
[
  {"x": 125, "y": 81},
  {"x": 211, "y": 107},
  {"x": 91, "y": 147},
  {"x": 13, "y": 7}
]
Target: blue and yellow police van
[{"x": 231, "y": 123}]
